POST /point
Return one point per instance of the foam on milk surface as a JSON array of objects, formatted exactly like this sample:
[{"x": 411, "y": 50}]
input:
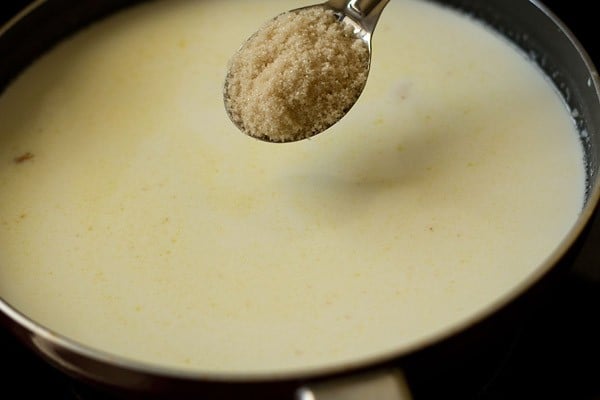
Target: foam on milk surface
[{"x": 146, "y": 225}]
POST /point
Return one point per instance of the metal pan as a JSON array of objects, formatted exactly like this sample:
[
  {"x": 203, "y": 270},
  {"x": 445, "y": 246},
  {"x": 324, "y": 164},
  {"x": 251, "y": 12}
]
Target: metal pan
[{"x": 529, "y": 25}]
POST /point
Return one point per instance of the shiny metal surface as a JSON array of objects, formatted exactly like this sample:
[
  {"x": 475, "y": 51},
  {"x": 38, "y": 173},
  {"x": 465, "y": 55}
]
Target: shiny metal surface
[
  {"x": 380, "y": 385},
  {"x": 361, "y": 14}
]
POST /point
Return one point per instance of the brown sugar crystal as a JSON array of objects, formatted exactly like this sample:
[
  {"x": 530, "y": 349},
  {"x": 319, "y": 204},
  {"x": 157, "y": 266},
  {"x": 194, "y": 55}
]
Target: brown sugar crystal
[{"x": 297, "y": 76}]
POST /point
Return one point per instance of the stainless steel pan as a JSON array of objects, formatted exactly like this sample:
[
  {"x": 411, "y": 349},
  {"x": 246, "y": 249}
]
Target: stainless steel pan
[{"x": 527, "y": 23}]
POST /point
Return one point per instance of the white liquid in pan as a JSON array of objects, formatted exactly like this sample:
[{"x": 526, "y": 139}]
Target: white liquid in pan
[{"x": 136, "y": 219}]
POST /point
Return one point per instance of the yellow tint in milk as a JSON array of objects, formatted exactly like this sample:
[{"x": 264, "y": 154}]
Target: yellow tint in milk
[{"x": 136, "y": 219}]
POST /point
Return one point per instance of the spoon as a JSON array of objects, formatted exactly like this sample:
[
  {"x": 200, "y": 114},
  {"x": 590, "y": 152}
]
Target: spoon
[{"x": 362, "y": 17}]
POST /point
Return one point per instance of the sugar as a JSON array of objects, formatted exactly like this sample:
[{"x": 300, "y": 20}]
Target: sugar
[{"x": 297, "y": 76}]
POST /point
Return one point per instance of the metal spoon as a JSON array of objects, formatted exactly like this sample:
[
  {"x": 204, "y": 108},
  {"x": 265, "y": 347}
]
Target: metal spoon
[{"x": 361, "y": 15}]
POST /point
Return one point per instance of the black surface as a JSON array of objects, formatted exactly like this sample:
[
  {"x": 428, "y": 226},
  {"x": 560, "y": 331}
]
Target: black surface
[
  {"x": 553, "y": 355},
  {"x": 8, "y": 8}
]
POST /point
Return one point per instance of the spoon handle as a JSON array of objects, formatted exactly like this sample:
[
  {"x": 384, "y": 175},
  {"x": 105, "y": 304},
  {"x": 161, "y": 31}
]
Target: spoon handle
[
  {"x": 366, "y": 7},
  {"x": 366, "y": 12}
]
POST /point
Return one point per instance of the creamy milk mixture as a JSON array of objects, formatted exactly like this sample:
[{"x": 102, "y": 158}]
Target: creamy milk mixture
[{"x": 135, "y": 218}]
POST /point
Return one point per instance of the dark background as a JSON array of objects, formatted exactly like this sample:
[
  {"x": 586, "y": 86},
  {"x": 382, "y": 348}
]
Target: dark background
[{"x": 556, "y": 356}]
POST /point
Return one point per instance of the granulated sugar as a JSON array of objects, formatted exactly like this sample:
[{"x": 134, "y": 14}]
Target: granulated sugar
[{"x": 298, "y": 75}]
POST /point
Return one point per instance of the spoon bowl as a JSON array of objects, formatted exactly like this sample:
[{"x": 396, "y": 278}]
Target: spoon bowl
[{"x": 359, "y": 16}]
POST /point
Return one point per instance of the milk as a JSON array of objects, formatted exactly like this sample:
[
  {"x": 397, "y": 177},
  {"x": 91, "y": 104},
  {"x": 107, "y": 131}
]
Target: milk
[{"x": 145, "y": 225}]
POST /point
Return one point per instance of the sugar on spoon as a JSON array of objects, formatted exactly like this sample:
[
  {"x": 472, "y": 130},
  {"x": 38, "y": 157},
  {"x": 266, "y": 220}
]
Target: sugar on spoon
[{"x": 302, "y": 71}]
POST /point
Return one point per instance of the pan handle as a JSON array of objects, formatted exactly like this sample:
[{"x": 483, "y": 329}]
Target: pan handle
[{"x": 380, "y": 385}]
